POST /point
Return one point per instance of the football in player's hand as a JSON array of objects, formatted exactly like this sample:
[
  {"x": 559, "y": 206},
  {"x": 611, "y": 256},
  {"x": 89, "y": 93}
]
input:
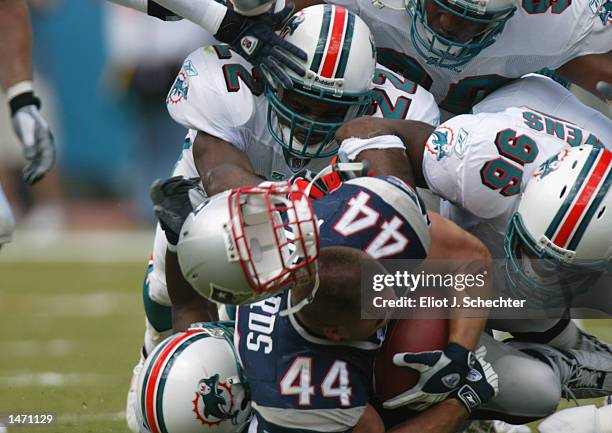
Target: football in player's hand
[{"x": 408, "y": 335}]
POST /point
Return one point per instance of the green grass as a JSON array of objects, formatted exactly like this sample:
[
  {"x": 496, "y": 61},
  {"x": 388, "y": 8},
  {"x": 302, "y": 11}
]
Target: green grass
[{"x": 83, "y": 324}]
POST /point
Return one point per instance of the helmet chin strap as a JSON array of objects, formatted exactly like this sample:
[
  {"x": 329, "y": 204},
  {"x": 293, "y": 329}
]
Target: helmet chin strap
[
  {"x": 307, "y": 300},
  {"x": 339, "y": 166}
]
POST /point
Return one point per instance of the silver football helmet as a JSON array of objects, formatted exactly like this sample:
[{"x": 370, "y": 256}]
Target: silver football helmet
[{"x": 247, "y": 244}]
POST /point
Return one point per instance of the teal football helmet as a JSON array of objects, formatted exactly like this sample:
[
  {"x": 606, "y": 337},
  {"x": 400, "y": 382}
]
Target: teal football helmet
[
  {"x": 337, "y": 86},
  {"x": 443, "y": 52}
]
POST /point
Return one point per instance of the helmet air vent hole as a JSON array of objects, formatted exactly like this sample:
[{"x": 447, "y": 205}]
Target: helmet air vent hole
[
  {"x": 194, "y": 276},
  {"x": 601, "y": 212},
  {"x": 563, "y": 191},
  {"x": 574, "y": 164}
]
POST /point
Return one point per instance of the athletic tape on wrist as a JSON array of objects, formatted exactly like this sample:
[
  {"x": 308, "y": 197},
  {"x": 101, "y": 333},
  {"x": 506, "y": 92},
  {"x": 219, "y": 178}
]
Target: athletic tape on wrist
[
  {"x": 23, "y": 100},
  {"x": 353, "y": 146},
  {"x": 19, "y": 88}
]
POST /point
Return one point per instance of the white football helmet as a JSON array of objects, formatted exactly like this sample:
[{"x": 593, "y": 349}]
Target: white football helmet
[
  {"x": 193, "y": 383},
  {"x": 561, "y": 234},
  {"x": 337, "y": 86},
  {"x": 247, "y": 244}
]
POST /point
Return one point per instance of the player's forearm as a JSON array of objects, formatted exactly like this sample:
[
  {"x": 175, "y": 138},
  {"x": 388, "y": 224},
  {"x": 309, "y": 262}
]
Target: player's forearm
[
  {"x": 413, "y": 134},
  {"x": 587, "y": 71},
  {"x": 187, "y": 306},
  {"x": 227, "y": 176},
  {"x": 455, "y": 246},
  {"x": 445, "y": 417},
  {"x": 15, "y": 43}
]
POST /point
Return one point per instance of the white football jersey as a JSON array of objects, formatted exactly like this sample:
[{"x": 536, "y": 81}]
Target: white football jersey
[
  {"x": 215, "y": 92},
  {"x": 528, "y": 43},
  {"x": 482, "y": 162},
  {"x": 7, "y": 221}
]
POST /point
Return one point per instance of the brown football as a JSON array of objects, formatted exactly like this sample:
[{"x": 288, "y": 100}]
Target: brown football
[{"x": 408, "y": 335}]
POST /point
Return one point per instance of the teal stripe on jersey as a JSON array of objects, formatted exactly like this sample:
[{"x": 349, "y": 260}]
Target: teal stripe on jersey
[
  {"x": 586, "y": 220},
  {"x": 554, "y": 225},
  {"x": 323, "y": 34},
  {"x": 346, "y": 48}
]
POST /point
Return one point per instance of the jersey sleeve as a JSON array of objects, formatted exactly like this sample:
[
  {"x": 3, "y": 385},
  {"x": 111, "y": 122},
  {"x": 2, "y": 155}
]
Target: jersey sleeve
[
  {"x": 396, "y": 97},
  {"x": 459, "y": 164},
  {"x": 593, "y": 34},
  {"x": 207, "y": 94}
]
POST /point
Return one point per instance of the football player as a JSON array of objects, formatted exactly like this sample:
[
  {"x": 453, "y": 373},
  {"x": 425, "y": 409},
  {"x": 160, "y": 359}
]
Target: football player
[
  {"x": 462, "y": 50},
  {"x": 241, "y": 133},
  {"x": 482, "y": 163},
  {"x": 16, "y": 79},
  {"x": 307, "y": 353},
  {"x": 225, "y": 251}
]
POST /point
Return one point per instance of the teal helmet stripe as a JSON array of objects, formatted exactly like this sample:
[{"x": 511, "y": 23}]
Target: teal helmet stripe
[
  {"x": 145, "y": 383},
  {"x": 322, "y": 43},
  {"x": 164, "y": 374},
  {"x": 346, "y": 47},
  {"x": 561, "y": 213},
  {"x": 573, "y": 244}
]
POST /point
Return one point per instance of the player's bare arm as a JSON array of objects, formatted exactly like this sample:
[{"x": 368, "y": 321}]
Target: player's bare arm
[
  {"x": 588, "y": 71},
  {"x": 413, "y": 134},
  {"x": 451, "y": 242},
  {"x": 369, "y": 422},
  {"x": 221, "y": 165},
  {"x": 15, "y": 51},
  {"x": 187, "y": 306},
  {"x": 16, "y": 79}
]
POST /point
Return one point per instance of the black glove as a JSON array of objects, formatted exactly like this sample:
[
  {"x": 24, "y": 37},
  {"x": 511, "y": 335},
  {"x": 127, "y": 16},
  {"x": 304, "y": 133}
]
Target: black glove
[
  {"x": 172, "y": 205},
  {"x": 254, "y": 38}
]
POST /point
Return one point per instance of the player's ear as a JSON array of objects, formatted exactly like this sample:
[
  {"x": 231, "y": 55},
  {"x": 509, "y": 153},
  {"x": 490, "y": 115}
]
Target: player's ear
[{"x": 333, "y": 333}]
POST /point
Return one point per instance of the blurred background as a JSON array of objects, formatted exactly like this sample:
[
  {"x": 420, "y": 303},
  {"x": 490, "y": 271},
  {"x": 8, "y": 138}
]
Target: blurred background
[{"x": 71, "y": 317}]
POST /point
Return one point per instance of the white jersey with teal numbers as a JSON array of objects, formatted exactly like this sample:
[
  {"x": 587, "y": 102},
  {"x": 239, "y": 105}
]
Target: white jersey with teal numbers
[
  {"x": 481, "y": 163},
  {"x": 215, "y": 92},
  {"x": 541, "y": 34}
]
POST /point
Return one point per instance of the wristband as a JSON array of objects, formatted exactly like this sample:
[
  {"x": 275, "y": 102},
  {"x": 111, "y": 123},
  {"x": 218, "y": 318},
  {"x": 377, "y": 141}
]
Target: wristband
[
  {"x": 351, "y": 147},
  {"x": 23, "y": 100},
  {"x": 158, "y": 11}
]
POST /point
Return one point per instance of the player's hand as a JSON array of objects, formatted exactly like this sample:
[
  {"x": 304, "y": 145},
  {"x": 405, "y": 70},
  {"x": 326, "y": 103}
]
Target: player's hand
[
  {"x": 479, "y": 386},
  {"x": 171, "y": 204},
  {"x": 605, "y": 90},
  {"x": 321, "y": 187},
  {"x": 35, "y": 137},
  {"x": 254, "y": 38},
  {"x": 364, "y": 127},
  {"x": 442, "y": 372}
]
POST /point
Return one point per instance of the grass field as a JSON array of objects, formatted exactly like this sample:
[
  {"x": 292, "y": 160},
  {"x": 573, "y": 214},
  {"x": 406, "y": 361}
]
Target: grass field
[
  {"x": 70, "y": 334},
  {"x": 70, "y": 331}
]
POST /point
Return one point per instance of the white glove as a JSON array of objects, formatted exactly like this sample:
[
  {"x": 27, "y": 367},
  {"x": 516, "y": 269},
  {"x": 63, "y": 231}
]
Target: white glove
[{"x": 35, "y": 136}]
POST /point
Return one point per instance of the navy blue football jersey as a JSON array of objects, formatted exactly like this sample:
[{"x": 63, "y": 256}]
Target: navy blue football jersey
[
  {"x": 302, "y": 383},
  {"x": 380, "y": 215},
  {"x": 299, "y": 382}
]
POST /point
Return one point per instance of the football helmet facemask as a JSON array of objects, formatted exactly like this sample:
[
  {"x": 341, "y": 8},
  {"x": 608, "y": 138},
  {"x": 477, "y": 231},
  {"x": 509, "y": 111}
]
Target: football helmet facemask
[
  {"x": 443, "y": 52},
  {"x": 249, "y": 243},
  {"x": 337, "y": 86},
  {"x": 560, "y": 238}
]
